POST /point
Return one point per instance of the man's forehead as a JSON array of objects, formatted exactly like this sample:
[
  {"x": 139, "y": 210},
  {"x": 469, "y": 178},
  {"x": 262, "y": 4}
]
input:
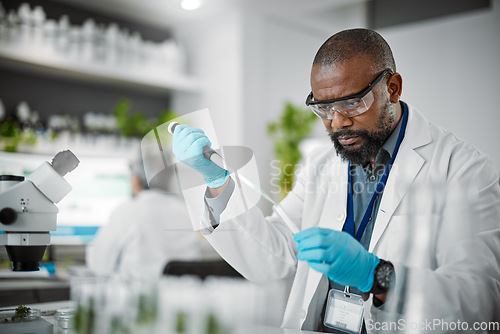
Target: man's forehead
[
  {"x": 349, "y": 67},
  {"x": 339, "y": 79}
]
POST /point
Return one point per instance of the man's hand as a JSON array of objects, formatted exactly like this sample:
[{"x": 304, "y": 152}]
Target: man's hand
[
  {"x": 338, "y": 255},
  {"x": 188, "y": 146}
]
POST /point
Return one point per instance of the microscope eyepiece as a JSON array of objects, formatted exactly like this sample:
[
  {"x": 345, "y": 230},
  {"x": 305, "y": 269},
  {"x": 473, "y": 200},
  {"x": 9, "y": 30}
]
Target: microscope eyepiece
[{"x": 64, "y": 162}]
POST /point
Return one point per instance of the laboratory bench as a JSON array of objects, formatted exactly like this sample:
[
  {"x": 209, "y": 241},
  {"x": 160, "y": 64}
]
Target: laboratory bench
[
  {"x": 48, "y": 310},
  {"x": 48, "y": 294}
]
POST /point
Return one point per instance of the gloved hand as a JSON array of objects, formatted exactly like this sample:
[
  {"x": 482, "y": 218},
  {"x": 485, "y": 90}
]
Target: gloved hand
[
  {"x": 338, "y": 255},
  {"x": 188, "y": 147}
]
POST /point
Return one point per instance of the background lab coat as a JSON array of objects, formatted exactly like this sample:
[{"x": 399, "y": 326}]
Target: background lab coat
[
  {"x": 456, "y": 280},
  {"x": 143, "y": 234}
]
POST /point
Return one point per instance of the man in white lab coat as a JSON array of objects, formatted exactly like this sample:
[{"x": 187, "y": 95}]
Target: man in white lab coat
[
  {"x": 144, "y": 233},
  {"x": 397, "y": 209}
]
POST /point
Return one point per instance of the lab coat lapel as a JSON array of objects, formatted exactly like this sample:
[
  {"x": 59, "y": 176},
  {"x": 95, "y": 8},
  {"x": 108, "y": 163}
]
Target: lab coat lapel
[
  {"x": 406, "y": 167},
  {"x": 335, "y": 205},
  {"x": 332, "y": 217}
]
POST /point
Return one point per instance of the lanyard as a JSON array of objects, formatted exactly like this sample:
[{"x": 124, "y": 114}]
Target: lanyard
[{"x": 349, "y": 222}]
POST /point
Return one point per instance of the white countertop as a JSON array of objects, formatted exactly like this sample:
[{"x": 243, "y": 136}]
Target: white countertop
[{"x": 49, "y": 309}]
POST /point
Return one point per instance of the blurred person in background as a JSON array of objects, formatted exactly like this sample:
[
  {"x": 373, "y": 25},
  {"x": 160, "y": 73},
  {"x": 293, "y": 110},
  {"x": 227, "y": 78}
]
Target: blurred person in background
[{"x": 145, "y": 233}]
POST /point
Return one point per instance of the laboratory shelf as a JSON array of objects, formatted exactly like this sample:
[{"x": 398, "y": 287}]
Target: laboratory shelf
[{"x": 22, "y": 58}]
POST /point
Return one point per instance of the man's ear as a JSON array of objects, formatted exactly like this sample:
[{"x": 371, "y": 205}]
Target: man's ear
[{"x": 395, "y": 87}]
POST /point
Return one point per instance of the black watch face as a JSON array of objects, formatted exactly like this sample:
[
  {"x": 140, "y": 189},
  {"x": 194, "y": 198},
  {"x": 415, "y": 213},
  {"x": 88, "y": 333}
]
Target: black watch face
[{"x": 384, "y": 276}]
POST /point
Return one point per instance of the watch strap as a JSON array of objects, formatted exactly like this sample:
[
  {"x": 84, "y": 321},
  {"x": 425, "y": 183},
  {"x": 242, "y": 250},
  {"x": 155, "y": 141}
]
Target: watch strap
[{"x": 377, "y": 288}]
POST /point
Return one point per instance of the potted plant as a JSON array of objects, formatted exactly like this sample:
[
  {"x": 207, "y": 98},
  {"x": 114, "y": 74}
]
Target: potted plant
[
  {"x": 293, "y": 126},
  {"x": 136, "y": 124}
]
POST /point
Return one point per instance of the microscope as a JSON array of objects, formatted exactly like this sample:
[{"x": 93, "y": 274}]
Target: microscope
[{"x": 28, "y": 211}]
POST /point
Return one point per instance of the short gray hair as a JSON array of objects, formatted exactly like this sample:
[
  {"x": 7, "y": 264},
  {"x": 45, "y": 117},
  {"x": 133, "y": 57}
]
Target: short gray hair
[
  {"x": 351, "y": 43},
  {"x": 164, "y": 180}
]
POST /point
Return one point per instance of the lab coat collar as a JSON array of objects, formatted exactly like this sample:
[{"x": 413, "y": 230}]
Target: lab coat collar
[
  {"x": 406, "y": 166},
  {"x": 417, "y": 135}
]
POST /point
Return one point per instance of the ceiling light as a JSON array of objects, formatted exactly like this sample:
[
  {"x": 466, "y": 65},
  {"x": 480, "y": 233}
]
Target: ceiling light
[{"x": 190, "y": 4}]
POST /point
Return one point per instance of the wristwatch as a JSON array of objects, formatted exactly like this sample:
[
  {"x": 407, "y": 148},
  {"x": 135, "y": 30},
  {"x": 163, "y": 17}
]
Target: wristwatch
[{"x": 384, "y": 277}]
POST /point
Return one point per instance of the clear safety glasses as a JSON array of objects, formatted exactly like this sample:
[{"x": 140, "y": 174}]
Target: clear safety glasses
[{"x": 348, "y": 106}]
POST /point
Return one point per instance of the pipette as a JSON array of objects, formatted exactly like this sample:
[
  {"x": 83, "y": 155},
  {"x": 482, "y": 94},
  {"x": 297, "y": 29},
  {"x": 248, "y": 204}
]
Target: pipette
[{"x": 213, "y": 156}]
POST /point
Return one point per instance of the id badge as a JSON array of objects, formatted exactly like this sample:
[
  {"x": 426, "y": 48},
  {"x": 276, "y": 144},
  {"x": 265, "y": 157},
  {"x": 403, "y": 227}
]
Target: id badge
[{"x": 344, "y": 311}]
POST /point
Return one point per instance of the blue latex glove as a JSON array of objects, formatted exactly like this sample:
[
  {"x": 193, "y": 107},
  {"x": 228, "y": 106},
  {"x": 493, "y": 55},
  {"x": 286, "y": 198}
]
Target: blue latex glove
[
  {"x": 338, "y": 255},
  {"x": 188, "y": 147}
]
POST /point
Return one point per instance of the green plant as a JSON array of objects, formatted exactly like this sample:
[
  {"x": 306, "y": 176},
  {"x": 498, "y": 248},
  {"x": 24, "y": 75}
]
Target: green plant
[
  {"x": 293, "y": 126},
  {"x": 146, "y": 309},
  {"x": 21, "y": 312},
  {"x": 136, "y": 123},
  {"x": 11, "y": 135},
  {"x": 213, "y": 326},
  {"x": 85, "y": 317},
  {"x": 180, "y": 325}
]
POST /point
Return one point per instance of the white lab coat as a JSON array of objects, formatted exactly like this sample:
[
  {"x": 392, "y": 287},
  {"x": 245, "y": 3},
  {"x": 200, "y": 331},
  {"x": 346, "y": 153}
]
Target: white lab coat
[
  {"x": 142, "y": 235},
  {"x": 455, "y": 280}
]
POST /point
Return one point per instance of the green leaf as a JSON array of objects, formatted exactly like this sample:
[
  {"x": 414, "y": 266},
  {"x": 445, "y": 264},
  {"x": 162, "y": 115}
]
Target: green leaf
[
  {"x": 293, "y": 126},
  {"x": 137, "y": 124}
]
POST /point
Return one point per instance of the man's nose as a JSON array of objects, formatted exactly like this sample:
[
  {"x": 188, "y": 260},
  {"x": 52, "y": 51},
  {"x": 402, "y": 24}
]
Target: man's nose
[{"x": 340, "y": 121}]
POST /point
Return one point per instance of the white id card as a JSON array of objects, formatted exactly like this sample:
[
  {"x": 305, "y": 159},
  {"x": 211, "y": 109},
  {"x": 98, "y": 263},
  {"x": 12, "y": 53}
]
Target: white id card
[{"x": 344, "y": 311}]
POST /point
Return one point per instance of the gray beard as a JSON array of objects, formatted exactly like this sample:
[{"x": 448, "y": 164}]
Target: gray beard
[{"x": 372, "y": 141}]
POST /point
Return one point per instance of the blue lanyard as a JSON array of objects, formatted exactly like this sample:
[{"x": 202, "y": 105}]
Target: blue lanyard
[{"x": 349, "y": 222}]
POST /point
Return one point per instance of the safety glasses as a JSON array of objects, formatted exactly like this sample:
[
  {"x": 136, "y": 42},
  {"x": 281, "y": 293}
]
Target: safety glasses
[{"x": 349, "y": 106}]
